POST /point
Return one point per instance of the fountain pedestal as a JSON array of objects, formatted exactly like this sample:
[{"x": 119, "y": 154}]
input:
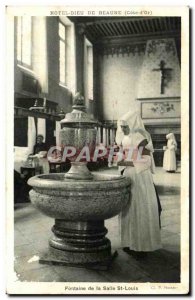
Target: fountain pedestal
[{"x": 79, "y": 243}]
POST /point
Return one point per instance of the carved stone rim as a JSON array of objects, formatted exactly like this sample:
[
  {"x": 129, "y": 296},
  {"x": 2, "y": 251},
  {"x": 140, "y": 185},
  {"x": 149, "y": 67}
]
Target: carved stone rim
[{"x": 57, "y": 182}]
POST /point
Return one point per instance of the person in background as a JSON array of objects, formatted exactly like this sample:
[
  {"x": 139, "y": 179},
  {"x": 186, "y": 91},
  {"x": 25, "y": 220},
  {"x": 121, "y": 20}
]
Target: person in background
[
  {"x": 169, "y": 160},
  {"x": 40, "y": 153},
  {"x": 139, "y": 220},
  {"x": 39, "y": 146}
]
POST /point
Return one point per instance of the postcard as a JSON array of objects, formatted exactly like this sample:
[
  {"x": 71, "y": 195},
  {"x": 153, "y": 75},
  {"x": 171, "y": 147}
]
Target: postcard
[{"x": 97, "y": 174}]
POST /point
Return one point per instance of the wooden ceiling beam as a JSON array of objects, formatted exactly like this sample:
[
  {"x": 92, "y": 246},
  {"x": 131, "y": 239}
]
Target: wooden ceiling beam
[
  {"x": 169, "y": 23},
  {"x": 177, "y": 23},
  {"x": 95, "y": 30},
  {"x": 126, "y": 27},
  {"x": 107, "y": 30},
  {"x": 132, "y": 30},
  {"x": 110, "y": 28},
  {"x": 147, "y": 25},
  {"x": 136, "y": 27},
  {"x": 160, "y": 24},
  {"x": 113, "y": 28},
  {"x": 152, "y": 25},
  {"x": 138, "y": 24},
  {"x": 99, "y": 29},
  {"x": 116, "y": 28},
  {"x": 172, "y": 23},
  {"x": 103, "y": 30},
  {"x": 143, "y": 26},
  {"x": 165, "y": 23},
  {"x": 123, "y": 29},
  {"x": 156, "y": 25}
]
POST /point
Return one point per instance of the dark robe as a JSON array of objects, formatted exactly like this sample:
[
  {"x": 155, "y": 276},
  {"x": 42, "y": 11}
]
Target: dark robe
[{"x": 39, "y": 147}]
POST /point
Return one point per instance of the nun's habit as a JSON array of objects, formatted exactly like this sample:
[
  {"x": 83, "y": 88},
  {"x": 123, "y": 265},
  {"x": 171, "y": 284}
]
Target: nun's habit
[
  {"x": 169, "y": 160},
  {"x": 139, "y": 221}
]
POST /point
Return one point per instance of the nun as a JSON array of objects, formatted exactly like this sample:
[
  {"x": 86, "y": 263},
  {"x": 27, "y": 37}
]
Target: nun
[
  {"x": 169, "y": 159},
  {"x": 139, "y": 221}
]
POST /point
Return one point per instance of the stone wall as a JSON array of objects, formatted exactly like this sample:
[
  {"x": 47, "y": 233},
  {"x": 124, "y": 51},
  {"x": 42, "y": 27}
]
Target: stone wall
[{"x": 118, "y": 86}]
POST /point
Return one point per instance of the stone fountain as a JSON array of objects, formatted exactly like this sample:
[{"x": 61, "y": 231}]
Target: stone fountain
[{"x": 79, "y": 201}]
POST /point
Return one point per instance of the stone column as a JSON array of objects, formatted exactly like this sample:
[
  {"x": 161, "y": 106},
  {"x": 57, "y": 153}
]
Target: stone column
[
  {"x": 104, "y": 136},
  {"x": 108, "y": 136},
  {"x": 111, "y": 136},
  {"x": 79, "y": 41},
  {"x": 99, "y": 134},
  {"x": 114, "y": 134}
]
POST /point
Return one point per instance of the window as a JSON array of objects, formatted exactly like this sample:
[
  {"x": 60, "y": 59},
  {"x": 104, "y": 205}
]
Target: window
[
  {"x": 62, "y": 53},
  {"x": 90, "y": 71},
  {"x": 24, "y": 41}
]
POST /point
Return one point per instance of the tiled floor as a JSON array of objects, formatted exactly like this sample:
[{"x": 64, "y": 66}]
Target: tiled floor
[{"x": 32, "y": 230}]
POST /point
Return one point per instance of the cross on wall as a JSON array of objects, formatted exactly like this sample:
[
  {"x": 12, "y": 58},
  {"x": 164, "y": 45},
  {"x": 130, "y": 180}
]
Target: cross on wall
[{"x": 164, "y": 75}]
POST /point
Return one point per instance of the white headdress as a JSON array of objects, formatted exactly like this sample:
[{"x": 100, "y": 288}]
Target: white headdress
[
  {"x": 137, "y": 129},
  {"x": 171, "y": 136}
]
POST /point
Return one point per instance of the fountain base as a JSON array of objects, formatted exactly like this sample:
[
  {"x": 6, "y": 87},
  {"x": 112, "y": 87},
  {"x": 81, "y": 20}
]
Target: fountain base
[
  {"x": 79, "y": 244},
  {"x": 51, "y": 259}
]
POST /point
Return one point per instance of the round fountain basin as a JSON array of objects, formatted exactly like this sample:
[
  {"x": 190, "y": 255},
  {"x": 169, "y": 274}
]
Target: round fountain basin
[{"x": 99, "y": 198}]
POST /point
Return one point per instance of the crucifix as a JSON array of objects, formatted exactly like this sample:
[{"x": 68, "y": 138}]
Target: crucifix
[{"x": 164, "y": 72}]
